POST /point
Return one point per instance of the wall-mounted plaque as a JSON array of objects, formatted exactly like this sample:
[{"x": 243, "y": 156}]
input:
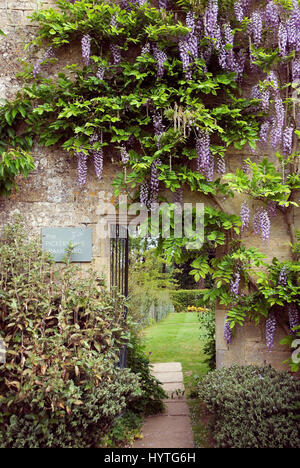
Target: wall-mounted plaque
[{"x": 57, "y": 240}]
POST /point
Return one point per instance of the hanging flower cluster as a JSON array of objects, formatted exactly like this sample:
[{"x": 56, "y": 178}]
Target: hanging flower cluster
[
  {"x": 188, "y": 46},
  {"x": 144, "y": 194},
  {"x": 221, "y": 165},
  {"x": 86, "y": 49},
  {"x": 262, "y": 224},
  {"x": 37, "y": 69},
  {"x": 158, "y": 126},
  {"x": 124, "y": 155},
  {"x": 204, "y": 159},
  {"x": 101, "y": 72},
  {"x": 270, "y": 330},
  {"x": 293, "y": 317},
  {"x": 160, "y": 58},
  {"x": 98, "y": 155},
  {"x": 82, "y": 168},
  {"x": 154, "y": 181},
  {"x": 245, "y": 216},
  {"x": 227, "y": 331},
  {"x": 235, "y": 284},
  {"x": 282, "y": 279}
]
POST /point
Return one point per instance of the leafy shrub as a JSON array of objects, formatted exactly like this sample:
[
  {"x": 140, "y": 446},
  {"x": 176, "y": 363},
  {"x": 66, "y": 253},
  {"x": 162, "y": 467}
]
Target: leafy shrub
[
  {"x": 60, "y": 386},
  {"x": 182, "y": 298},
  {"x": 208, "y": 334},
  {"x": 124, "y": 431},
  {"x": 150, "y": 401},
  {"x": 253, "y": 407}
]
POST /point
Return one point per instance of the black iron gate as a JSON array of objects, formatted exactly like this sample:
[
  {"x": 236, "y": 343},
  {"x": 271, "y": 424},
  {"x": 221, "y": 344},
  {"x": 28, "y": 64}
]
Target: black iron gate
[{"x": 119, "y": 263}]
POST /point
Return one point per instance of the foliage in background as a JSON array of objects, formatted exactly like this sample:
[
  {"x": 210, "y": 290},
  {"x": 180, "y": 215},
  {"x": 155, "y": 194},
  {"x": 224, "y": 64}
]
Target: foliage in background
[
  {"x": 207, "y": 321},
  {"x": 182, "y": 299},
  {"x": 60, "y": 386},
  {"x": 150, "y": 284},
  {"x": 150, "y": 401},
  {"x": 12, "y": 163},
  {"x": 253, "y": 407}
]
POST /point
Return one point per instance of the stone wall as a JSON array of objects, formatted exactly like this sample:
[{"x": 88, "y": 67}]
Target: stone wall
[
  {"x": 51, "y": 197},
  {"x": 248, "y": 345}
]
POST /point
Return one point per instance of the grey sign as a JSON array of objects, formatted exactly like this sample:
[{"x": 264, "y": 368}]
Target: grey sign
[{"x": 57, "y": 240}]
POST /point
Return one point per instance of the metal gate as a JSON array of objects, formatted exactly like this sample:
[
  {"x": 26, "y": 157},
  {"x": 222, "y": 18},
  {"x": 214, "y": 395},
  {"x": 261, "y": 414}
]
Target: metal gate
[{"x": 119, "y": 263}]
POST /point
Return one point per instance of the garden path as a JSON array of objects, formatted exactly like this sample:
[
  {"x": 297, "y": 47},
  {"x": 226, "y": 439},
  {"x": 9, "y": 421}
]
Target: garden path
[{"x": 171, "y": 429}]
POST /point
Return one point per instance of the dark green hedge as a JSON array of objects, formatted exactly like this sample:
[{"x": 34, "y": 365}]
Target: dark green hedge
[{"x": 182, "y": 298}]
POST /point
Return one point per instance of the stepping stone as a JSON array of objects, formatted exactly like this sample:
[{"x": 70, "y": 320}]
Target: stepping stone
[
  {"x": 167, "y": 367},
  {"x": 166, "y": 432},
  {"x": 170, "y": 388},
  {"x": 168, "y": 377},
  {"x": 177, "y": 408},
  {"x": 171, "y": 429}
]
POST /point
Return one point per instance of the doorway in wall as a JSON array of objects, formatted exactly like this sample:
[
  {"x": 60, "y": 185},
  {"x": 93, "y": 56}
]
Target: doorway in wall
[{"x": 119, "y": 267}]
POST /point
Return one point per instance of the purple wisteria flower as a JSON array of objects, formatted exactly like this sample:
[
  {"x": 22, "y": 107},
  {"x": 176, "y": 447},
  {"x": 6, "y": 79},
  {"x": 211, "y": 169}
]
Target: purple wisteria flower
[
  {"x": 272, "y": 208},
  {"x": 296, "y": 70},
  {"x": 245, "y": 167},
  {"x": 160, "y": 57},
  {"x": 98, "y": 155},
  {"x": 287, "y": 140},
  {"x": 154, "y": 181},
  {"x": 265, "y": 226},
  {"x": 146, "y": 49},
  {"x": 116, "y": 53},
  {"x": 144, "y": 194},
  {"x": 158, "y": 126},
  {"x": 101, "y": 72},
  {"x": 255, "y": 27},
  {"x": 235, "y": 284},
  {"x": 124, "y": 155},
  {"x": 273, "y": 80},
  {"x": 82, "y": 167},
  {"x": 245, "y": 216},
  {"x": 210, "y": 18},
  {"x": 282, "y": 39},
  {"x": 86, "y": 49},
  {"x": 262, "y": 224},
  {"x": 227, "y": 331},
  {"x": 270, "y": 331},
  {"x": 272, "y": 15},
  {"x": 188, "y": 46},
  {"x": 162, "y": 4},
  {"x": 282, "y": 278},
  {"x": 221, "y": 165},
  {"x": 203, "y": 151},
  {"x": 264, "y": 131},
  {"x": 37, "y": 66},
  {"x": 238, "y": 10},
  {"x": 293, "y": 317}
]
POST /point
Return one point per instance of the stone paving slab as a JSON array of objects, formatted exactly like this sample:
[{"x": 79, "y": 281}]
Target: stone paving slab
[
  {"x": 170, "y": 388},
  {"x": 168, "y": 377},
  {"x": 166, "y": 432},
  {"x": 167, "y": 367},
  {"x": 177, "y": 408},
  {"x": 171, "y": 429}
]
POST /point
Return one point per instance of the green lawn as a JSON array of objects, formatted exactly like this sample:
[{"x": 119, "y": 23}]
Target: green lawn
[{"x": 176, "y": 339}]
